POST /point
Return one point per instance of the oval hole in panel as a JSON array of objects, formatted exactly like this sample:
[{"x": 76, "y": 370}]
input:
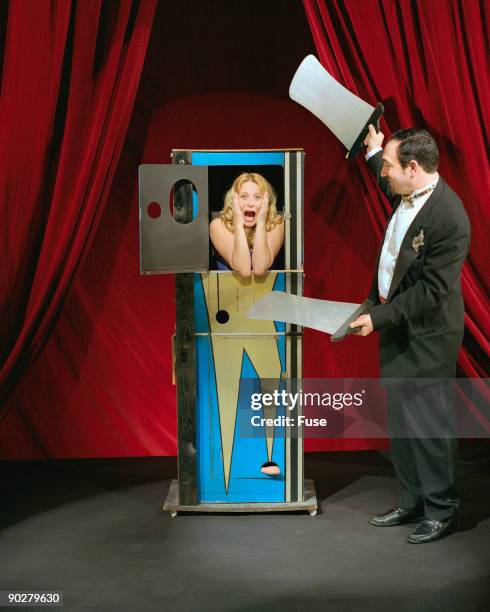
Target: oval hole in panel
[
  {"x": 184, "y": 201},
  {"x": 270, "y": 468}
]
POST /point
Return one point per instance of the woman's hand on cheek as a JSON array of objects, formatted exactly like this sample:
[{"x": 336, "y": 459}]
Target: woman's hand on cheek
[
  {"x": 264, "y": 209},
  {"x": 238, "y": 219}
]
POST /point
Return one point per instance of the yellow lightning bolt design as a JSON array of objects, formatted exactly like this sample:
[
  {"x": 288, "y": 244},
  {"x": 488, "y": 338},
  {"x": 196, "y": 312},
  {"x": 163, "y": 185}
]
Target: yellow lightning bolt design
[{"x": 235, "y": 295}]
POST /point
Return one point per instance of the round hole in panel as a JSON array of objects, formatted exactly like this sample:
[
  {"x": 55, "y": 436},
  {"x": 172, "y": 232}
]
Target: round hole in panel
[
  {"x": 222, "y": 316},
  {"x": 154, "y": 210}
]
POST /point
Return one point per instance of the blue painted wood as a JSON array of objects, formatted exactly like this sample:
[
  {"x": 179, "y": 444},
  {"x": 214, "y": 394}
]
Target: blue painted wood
[
  {"x": 247, "y": 483},
  {"x": 237, "y": 158}
]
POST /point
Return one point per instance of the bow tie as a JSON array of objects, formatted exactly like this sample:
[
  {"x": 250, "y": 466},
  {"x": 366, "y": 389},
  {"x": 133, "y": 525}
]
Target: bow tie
[{"x": 410, "y": 199}]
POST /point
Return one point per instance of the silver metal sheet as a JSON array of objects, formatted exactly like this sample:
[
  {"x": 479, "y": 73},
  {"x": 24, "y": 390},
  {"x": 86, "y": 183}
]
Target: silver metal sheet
[
  {"x": 166, "y": 245},
  {"x": 323, "y": 315}
]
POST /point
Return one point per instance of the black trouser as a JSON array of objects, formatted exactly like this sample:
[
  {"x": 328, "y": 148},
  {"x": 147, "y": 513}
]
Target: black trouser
[{"x": 424, "y": 447}]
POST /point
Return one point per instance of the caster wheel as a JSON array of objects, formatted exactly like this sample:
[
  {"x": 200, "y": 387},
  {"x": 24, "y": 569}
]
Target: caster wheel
[
  {"x": 173, "y": 514},
  {"x": 313, "y": 512}
]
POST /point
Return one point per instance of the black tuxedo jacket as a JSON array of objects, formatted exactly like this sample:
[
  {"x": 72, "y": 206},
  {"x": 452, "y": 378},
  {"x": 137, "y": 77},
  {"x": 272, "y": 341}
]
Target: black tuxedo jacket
[{"x": 422, "y": 322}]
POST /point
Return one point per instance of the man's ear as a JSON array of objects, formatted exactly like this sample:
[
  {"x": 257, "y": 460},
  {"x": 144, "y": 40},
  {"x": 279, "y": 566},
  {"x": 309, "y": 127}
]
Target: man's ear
[{"x": 413, "y": 166}]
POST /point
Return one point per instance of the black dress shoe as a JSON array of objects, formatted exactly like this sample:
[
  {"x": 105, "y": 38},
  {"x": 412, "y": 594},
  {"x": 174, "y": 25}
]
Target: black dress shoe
[
  {"x": 430, "y": 529},
  {"x": 396, "y": 516}
]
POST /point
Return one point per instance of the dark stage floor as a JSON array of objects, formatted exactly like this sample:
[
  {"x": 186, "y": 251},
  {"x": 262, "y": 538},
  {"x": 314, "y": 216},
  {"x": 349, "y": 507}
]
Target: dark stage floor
[{"x": 94, "y": 530}]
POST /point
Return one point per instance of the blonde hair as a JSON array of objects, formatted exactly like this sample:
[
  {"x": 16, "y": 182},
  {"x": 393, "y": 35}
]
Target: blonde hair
[{"x": 273, "y": 218}]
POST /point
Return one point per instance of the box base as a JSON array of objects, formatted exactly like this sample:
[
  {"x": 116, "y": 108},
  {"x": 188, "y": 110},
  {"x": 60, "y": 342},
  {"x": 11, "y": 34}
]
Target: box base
[{"x": 309, "y": 504}]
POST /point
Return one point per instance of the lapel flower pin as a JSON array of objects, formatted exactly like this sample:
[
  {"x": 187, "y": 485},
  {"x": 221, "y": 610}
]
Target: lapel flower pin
[{"x": 418, "y": 241}]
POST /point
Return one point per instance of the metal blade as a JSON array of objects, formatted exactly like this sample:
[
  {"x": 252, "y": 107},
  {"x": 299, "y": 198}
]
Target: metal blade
[
  {"x": 339, "y": 109},
  {"x": 323, "y": 315}
]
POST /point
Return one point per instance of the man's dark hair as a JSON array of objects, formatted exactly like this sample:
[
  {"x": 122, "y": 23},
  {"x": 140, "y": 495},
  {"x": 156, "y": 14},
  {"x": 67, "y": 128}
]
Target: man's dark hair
[{"x": 417, "y": 145}]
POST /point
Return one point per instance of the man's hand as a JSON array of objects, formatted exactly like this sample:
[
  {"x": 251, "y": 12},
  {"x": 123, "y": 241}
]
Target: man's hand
[
  {"x": 374, "y": 139},
  {"x": 364, "y": 325}
]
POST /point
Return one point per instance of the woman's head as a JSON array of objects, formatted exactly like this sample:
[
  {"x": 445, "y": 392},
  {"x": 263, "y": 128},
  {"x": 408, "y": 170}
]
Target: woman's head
[{"x": 251, "y": 188}]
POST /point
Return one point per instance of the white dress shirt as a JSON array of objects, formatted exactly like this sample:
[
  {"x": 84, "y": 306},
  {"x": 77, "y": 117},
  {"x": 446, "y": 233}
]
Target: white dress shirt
[{"x": 397, "y": 228}]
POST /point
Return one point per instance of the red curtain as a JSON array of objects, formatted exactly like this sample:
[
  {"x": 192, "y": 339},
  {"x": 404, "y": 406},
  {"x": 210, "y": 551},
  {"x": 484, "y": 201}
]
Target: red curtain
[
  {"x": 427, "y": 61},
  {"x": 102, "y": 386},
  {"x": 70, "y": 76}
]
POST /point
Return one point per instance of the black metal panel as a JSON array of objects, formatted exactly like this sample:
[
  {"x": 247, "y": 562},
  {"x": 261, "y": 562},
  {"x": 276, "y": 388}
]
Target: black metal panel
[
  {"x": 185, "y": 364},
  {"x": 296, "y": 166},
  {"x": 293, "y": 186},
  {"x": 293, "y": 204},
  {"x": 293, "y": 466},
  {"x": 185, "y": 358}
]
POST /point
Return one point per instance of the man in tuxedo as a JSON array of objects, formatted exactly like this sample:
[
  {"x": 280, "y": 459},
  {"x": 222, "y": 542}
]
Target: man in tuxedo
[{"x": 419, "y": 312}]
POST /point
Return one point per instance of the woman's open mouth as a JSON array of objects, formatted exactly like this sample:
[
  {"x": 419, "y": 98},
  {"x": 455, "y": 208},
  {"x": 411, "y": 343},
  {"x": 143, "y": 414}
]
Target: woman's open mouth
[{"x": 249, "y": 215}]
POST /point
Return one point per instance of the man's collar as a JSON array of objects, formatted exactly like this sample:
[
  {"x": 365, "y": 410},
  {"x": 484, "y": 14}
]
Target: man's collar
[{"x": 432, "y": 183}]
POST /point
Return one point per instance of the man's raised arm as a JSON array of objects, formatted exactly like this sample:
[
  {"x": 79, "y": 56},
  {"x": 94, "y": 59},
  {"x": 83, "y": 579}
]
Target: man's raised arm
[{"x": 374, "y": 141}]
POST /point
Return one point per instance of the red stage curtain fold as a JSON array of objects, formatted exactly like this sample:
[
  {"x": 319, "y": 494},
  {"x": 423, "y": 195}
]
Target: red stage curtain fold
[
  {"x": 427, "y": 61},
  {"x": 102, "y": 386},
  {"x": 70, "y": 76}
]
